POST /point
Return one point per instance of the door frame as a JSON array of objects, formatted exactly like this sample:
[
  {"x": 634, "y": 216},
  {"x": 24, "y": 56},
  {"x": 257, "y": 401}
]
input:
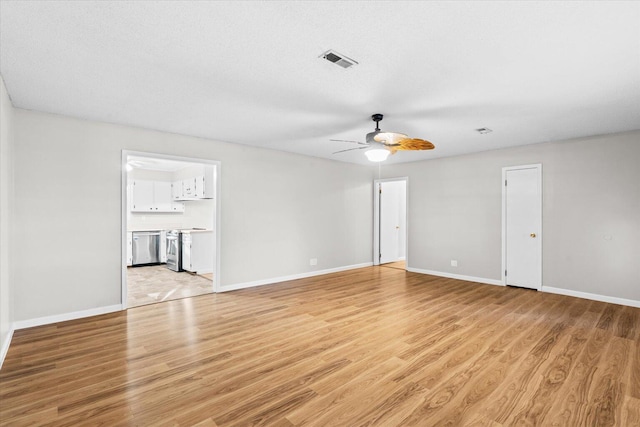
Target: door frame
[
  {"x": 537, "y": 166},
  {"x": 376, "y": 219},
  {"x": 123, "y": 213}
]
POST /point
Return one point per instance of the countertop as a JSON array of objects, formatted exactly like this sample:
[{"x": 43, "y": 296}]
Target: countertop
[
  {"x": 185, "y": 230},
  {"x": 196, "y": 231}
]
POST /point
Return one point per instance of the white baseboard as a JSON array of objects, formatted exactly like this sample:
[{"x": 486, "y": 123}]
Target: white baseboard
[
  {"x": 22, "y": 324},
  {"x": 273, "y": 280},
  {"x": 549, "y": 289},
  {"x": 456, "y": 276},
  {"x": 5, "y": 345},
  {"x": 595, "y": 297}
]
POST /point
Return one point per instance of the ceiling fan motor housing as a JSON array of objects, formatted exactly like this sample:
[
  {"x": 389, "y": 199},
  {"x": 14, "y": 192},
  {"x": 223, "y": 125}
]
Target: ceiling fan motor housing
[{"x": 370, "y": 137}]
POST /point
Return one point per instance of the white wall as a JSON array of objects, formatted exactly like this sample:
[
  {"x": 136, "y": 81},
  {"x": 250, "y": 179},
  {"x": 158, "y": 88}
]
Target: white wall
[
  {"x": 278, "y": 211},
  {"x": 591, "y": 213},
  {"x": 281, "y": 209},
  {"x": 6, "y": 143}
]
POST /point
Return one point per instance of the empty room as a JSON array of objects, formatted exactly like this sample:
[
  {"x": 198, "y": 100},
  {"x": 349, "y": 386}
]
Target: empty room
[{"x": 327, "y": 213}]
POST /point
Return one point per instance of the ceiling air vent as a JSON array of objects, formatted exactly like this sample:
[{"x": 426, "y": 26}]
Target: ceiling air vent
[{"x": 338, "y": 59}]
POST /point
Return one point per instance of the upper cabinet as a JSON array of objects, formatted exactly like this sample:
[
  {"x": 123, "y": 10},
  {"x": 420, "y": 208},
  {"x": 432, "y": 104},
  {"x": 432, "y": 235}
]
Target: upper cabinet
[
  {"x": 153, "y": 196},
  {"x": 142, "y": 196},
  {"x": 162, "y": 196},
  {"x": 166, "y": 191},
  {"x": 197, "y": 183}
]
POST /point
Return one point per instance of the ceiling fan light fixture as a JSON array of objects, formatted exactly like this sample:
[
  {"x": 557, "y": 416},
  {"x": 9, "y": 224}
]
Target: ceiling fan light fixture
[{"x": 377, "y": 154}]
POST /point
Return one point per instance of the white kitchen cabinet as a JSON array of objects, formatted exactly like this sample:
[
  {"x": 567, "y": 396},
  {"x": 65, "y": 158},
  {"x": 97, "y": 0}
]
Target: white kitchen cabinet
[
  {"x": 162, "y": 199},
  {"x": 186, "y": 253},
  {"x": 153, "y": 196},
  {"x": 205, "y": 183},
  {"x": 197, "y": 251},
  {"x": 189, "y": 188},
  {"x": 163, "y": 246},
  {"x": 198, "y": 185},
  {"x": 129, "y": 249},
  {"x": 176, "y": 190},
  {"x": 177, "y": 207},
  {"x": 142, "y": 195}
]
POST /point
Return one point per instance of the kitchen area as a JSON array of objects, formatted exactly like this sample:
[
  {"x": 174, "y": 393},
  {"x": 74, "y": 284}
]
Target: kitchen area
[{"x": 170, "y": 216}]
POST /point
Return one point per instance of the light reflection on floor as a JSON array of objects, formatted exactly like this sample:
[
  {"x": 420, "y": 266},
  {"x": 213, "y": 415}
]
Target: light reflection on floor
[{"x": 151, "y": 284}]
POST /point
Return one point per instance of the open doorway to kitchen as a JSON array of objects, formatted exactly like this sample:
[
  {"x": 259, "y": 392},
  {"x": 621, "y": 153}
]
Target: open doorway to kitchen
[{"x": 170, "y": 227}]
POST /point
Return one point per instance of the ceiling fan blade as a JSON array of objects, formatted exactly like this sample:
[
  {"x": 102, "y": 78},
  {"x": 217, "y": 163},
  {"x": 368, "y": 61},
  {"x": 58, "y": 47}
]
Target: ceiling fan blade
[
  {"x": 413, "y": 144},
  {"x": 350, "y": 149},
  {"x": 346, "y": 140}
]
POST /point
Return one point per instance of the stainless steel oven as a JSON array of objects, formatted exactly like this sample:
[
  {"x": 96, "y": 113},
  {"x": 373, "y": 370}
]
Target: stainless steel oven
[{"x": 174, "y": 249}]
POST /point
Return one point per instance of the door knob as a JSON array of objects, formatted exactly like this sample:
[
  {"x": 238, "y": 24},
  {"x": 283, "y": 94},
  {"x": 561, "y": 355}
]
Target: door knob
[
  {"x": 397, "y": 227},
  {"x": 532, "y": 235}
]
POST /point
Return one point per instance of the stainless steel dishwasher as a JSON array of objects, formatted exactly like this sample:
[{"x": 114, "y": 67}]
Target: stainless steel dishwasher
[{"x": 146, "y": 247}]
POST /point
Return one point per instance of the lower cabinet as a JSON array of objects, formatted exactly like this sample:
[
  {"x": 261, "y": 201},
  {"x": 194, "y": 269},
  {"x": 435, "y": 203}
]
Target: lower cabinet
[
  {"x": 163, "y": 246},
  {"x": 197, "y": 251},
  {"x": 129, "y": 249}
]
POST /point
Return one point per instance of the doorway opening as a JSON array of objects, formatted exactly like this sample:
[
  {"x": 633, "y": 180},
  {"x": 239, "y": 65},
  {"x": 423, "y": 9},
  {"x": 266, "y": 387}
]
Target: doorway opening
[
  {"x": 170, "y": 227},
  {"x": 390, "y": 223}
]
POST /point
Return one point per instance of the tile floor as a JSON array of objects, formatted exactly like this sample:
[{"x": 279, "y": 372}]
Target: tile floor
[{"x": 156, "y": 283}]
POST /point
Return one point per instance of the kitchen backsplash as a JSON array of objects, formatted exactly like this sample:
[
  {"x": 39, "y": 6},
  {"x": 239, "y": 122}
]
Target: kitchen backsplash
[{"x": 197, "y": 213}]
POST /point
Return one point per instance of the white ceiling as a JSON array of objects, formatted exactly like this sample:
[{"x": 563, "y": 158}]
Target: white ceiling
[{"x": 250, "y": 72}]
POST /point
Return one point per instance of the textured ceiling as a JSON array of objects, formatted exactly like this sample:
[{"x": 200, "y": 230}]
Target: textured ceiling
[{"x": 250, "y": 72}]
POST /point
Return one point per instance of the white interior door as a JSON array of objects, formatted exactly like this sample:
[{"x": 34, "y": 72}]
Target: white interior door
[
  {"x": 392, "y": 220},
  {"x": 523, "y": 226}
]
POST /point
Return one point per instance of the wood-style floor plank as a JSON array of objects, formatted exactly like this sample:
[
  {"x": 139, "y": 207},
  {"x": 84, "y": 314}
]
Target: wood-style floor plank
[{"x": 374, "y": 346}]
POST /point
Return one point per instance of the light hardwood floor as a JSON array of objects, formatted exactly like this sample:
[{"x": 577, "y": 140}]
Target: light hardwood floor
[
  {"x": 374, "y": 346},
  {"x": 400, "y": 265}
]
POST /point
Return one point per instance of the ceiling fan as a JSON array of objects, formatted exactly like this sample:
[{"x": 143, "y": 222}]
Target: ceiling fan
[{"x": 380, "y": 144}]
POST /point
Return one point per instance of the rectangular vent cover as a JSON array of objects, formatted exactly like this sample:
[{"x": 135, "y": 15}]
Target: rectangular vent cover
[
  {"x": 338, "y": 59},
  {"x": 484, "y": 131}
]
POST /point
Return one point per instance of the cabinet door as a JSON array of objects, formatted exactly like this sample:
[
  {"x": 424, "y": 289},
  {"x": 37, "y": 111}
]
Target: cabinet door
[
  {"x": 129, "y": 249},
  {"x": 163, "y": 246},
  {"x": 199, "y": 187},
  {"x": 189, "y": 188},
  {"x": 186, "y": 252},
  {"x": 201, "y": 256},
  {"x": 208, "y": 182},
  {"x": 176, "y": 190},
  {"x": 142, "y": 196},
  {"x": 162, "y": 199}
]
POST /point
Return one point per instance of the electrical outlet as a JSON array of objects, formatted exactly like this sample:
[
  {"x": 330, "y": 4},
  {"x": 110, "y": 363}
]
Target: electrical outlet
[
  {"x": 313, "y": 261},
  {"x": 454, "y": 263}
]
